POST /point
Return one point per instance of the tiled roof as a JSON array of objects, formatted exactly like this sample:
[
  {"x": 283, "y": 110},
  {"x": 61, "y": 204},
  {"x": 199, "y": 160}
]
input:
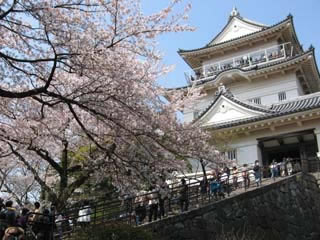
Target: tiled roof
[
  {"x": 299, "y": 104},
  {"x": 250, "y": 34}
]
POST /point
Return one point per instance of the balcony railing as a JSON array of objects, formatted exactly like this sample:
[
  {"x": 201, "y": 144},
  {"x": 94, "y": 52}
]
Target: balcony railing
[{"x": 260, "y": 57}]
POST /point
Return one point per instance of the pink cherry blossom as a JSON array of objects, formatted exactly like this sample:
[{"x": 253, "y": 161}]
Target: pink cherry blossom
[{"x": 76, "y": 74}]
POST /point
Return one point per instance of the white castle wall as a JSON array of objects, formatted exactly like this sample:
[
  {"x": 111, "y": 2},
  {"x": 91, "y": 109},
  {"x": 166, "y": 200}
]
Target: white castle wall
[
  {"x": 247, "y": 146},
  {"x": 266, "y": 89}
]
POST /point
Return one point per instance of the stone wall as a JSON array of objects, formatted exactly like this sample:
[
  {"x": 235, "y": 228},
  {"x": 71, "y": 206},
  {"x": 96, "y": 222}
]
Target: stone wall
[{"x": 288, "y": 209}]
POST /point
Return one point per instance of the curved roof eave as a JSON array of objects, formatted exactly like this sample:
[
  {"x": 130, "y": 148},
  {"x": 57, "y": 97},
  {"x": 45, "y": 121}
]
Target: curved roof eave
[
  {"x": 304, "y": 104},
  {"x": 315, "y": 63},
  {"x": 229, "y": 96},
  {"x": 294, "y": 32},
  {"x": 182, "y": 52},
  {"x": 202, "y": 82},
  {"x": 256, "y": 68}
]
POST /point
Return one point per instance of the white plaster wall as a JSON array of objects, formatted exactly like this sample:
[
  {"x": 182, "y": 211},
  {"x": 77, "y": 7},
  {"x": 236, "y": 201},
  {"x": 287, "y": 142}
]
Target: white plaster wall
[
  {"x": 317, "y": 133},
  {"x": 300, "y": 90},
  {"x": 267, "y": 89},
  {"x": 247, "y": 153},
  {"x": 188, "y": 117},
  {"x": 247, "y": 149},
  {"x": 199, "y": 106},
  {"x": 236, "y": 29}
]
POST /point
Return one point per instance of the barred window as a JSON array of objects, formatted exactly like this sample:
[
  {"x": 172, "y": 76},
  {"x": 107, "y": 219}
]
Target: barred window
[
  {"x": 195, "y": 114},
  {"x": 232, "y": 154},
  {"x": 256, "y": 100},
  {"x": 282, "y": 96}
]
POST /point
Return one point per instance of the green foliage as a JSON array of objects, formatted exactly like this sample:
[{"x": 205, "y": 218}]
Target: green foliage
[
  {"x": 113, "y": 232},
  {"x": 81, "y": 155}
]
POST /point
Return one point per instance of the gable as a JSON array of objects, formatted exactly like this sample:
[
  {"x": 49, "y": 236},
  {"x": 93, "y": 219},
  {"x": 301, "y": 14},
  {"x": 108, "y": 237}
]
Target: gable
[
  {"x": 224, "y": 110},
  {"x": 234, "y": 29}
]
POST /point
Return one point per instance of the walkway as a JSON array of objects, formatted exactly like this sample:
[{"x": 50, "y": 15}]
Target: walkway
[{"x": 126, "y": 210}]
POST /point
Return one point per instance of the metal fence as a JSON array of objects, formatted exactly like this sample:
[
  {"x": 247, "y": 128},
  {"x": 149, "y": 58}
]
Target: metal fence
[{"x": 142, "y": 208}]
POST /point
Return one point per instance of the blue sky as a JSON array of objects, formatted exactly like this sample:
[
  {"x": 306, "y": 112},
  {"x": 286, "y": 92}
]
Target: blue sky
[{"x": 210, "y": 16}]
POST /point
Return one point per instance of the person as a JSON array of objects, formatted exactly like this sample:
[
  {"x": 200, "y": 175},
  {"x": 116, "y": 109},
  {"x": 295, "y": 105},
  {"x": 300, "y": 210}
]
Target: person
[
  {"x": 227, "y": 171},
  {"x": 203, "y": 189},
  {"x": 127, "y": 203},
  {"x": 2, "y": 206},
  {"x": 257, "y": 173},
  {"x": 235, "y": 177},
  {"x": 52, "y": 216},
  {"x": 225, "y": 178},
  {"x": 11, "y": 215},
  {"x": 289, "y": 166},
  {"x": 85, "y": 212},
  {"x": 43, "y": 225},
  {"x": 34, "y": 217},
  {"x": 67, "y": 224},
  {"x": 214, "y": 188},
  {"x": 183, "y": 196},
  {"x": 274, "y": 169},
  {"x": 163, "y": 196},
  {"x": 140, "y": 209},
  {"x": 36, "y": 212},
  {"x": 153, "y": 203},
  {"x": 297, "y": 167},
  {"x": 58, "y": 222},
  {"x": 3, "y": 224},
  {"x": 245, "y": 176},
  {"x": 23, "y": 219},
  {"x": 16, "y": 233}
]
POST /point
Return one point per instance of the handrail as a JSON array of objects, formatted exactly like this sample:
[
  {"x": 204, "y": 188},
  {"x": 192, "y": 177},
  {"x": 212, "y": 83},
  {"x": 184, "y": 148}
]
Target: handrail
[
  {"x": 244, "y": 61},
  {"x": 130, "y": 209}
]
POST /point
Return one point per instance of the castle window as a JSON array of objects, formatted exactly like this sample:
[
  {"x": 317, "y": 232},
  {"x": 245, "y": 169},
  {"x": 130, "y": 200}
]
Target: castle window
[
  {"x": 231, "y": 154},
  {"x": 256, "y": 100},
  {"x": 282, "y": 96},
  {"x": 195, "y": 114}
]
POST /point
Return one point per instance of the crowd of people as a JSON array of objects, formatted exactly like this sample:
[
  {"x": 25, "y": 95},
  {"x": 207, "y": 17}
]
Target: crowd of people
[
  {"x": 286, "y": 167},
  {"x": 14, "y": 221},
  {"x": 217, "y": 185},
  {"x": 152, "y": 204},
  {"x": 146, "y": 206}
]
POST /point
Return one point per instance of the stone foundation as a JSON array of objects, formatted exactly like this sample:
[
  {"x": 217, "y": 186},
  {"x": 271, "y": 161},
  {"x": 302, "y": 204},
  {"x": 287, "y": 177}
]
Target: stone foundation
[{"x": 286, "y": 210}]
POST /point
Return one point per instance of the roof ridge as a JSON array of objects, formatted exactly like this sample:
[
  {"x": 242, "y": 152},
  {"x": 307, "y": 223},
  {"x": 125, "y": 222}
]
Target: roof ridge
[
  {"x": 302, "y": 97},
  {"x": 253, "y": 106},
  {"x": 228, "y": 94},
  {"x": 254, "y": 22},
  {"x": 230, "y": 40}
]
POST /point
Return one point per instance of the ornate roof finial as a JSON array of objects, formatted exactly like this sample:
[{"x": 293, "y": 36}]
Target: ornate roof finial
[
  {"x": 311, "y": 47},
  {"x": 221, "y": 89},
  {"x": 234, "y": 12}
]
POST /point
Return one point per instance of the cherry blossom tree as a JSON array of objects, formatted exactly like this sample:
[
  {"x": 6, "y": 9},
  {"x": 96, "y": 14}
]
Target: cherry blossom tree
[
  {"x": 17, "y": 183},
  {"x": 79, "y": 94}
]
